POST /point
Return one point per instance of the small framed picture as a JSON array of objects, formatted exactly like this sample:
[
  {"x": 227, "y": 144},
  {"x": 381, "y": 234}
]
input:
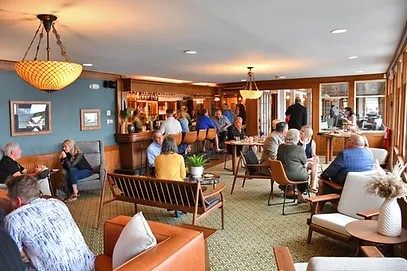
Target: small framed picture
[
  {"x": 90, "y": 119},
  {"x": 30, "y": 118}
]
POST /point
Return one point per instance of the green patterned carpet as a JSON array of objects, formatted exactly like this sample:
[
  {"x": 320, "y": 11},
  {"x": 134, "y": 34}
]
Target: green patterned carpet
[{"x": 252, "y": 227}]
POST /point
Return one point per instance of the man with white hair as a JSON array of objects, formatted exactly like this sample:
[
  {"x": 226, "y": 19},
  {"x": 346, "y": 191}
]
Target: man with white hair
[
  {"x": 355, "y": 158},
  {"x": 294, "y": 161},
  {"x": 9, "y": 167}
]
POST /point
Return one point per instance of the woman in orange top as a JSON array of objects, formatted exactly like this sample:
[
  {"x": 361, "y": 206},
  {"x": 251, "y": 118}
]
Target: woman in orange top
[{"x": 169, "y": 165}]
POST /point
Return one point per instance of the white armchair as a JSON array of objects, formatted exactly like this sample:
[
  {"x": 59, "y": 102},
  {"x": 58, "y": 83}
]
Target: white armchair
[
  {"x": 374, "y": 261},
  {"x": 380, "y": 155},
  {"x": 353, "y": 201}
]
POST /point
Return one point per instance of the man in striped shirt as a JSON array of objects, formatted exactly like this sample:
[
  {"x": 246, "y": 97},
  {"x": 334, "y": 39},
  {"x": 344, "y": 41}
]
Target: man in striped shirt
[{"x": 44, "y": 229}]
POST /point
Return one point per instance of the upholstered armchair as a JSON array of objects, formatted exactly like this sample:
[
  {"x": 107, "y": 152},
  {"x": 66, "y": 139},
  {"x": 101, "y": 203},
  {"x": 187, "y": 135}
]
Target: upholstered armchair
[
  {"x": 94, "y": 153},
  {"x": 353, "y": 205},
  {"x": 380, "y": 155},
  {"x": 374, "y": 261}
]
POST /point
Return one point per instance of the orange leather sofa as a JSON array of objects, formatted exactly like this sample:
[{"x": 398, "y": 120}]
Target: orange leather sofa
[{"x": 177, "y": 248}]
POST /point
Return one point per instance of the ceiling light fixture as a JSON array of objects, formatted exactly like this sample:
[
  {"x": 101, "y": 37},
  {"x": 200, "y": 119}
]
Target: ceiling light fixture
[
  {"x": 352, "y": 57},
  {"x": 87, "y": 64},
  {"x": 48, "y": 75},
  {"x": 216, "y": 99},
  {"x": 359, "y": 71},
  {"x": 338, "y": 31},
  {"x": 251, "y": 91},
  {"x": 190, "y": 52}
]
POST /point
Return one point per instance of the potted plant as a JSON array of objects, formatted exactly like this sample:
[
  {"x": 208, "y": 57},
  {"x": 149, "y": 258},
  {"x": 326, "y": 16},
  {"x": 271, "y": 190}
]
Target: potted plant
[
  {"x": 125, "y": 115},
  {"x": 196, "y": 164}
]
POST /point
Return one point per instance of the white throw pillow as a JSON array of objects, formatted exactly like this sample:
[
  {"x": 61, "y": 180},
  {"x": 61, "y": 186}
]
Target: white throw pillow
[{"x": 134, "y": 239}]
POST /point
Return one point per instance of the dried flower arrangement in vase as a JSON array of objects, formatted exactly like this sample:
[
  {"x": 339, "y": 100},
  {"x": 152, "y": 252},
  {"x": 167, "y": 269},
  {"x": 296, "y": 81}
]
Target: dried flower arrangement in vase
[{"x": 389, "y": 186}]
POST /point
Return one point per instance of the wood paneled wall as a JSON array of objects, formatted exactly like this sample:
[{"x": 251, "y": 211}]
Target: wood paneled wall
[
  {"x": 375, "y": 139},
  {"x": 51, "y": 160}
]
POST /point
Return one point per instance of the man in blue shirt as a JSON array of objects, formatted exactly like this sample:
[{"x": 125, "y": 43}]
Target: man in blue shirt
[
  {"x": 228, "y": 113},
  {"x": 153, "y": 150},
  {"x": 355, "y": 158},
  {"x": 203, "y": 123}
]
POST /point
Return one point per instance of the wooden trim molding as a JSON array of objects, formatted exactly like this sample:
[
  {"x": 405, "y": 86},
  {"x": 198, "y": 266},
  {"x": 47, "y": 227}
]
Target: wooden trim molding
[
  {"x": 51, "y": 160},
  {"x": 137, "y": 85}
]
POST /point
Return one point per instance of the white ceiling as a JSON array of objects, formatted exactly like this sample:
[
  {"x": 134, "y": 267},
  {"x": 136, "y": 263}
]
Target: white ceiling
[{"x": 147, "y": 37}]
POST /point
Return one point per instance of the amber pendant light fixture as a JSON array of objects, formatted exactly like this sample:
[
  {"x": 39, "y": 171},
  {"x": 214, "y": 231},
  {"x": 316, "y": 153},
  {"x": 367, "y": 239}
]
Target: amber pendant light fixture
[
  {"x": 251, "y": 91},
  {"x": 47, "y": 75}
]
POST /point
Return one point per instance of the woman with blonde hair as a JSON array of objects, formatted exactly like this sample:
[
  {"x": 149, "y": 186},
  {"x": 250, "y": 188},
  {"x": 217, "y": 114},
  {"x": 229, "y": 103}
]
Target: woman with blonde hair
[
  {"x": 76, "y": 166},
  {"x": 310, "y": 147}
]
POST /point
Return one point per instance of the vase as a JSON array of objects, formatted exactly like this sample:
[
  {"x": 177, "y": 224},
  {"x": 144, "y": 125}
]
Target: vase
[
  {"x": 197, "y": 171},
  {"x": 389, "y": 222}
]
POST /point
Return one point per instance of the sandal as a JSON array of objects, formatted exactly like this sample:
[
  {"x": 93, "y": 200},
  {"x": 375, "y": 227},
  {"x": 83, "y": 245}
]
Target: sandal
[{"x": 71, "y": 198}]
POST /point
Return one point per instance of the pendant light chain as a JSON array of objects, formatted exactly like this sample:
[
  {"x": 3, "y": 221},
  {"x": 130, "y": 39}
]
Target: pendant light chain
[
  {"x": 59, "y": 42},
  {"x": 31, "y": 43},
  {"x": 39, "y": 44}
]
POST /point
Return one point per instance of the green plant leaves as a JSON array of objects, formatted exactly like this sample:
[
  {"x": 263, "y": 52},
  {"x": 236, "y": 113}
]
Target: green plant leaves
[{"x": 197, "y": 160}]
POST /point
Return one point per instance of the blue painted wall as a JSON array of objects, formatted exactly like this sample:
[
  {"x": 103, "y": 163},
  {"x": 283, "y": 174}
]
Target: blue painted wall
[{"x": 65, "y": 113}]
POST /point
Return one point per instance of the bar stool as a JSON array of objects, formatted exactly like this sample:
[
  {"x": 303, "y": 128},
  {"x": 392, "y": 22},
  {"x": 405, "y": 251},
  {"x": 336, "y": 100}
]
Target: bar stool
[
  {"x": 201, "y": 136},
  {"x": 210, "y": 135},
  {"x": 177, "y": 138},
  {"x": 190, "y": 138}
]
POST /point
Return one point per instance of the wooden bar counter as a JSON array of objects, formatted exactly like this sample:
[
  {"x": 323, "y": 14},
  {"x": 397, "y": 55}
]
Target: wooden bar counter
[{"x": 132, "y": 148}]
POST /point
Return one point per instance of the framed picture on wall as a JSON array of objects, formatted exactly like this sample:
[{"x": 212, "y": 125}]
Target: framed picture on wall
[
  {"x": 30, "y": 118},
  {"x": 90, "y": 119}
]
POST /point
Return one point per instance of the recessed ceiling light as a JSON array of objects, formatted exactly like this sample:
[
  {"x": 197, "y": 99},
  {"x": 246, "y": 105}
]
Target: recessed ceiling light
[
  {"x": 338, "y": 31},
  {"x": 359, "y": 71},
  {"x": 352, "y": 57},
  {"x": 87, "y": 64},
  {"x": 190, "y": 52},
  {"x": 282, "y": 77},
  {"x": 243, "y": 80}
]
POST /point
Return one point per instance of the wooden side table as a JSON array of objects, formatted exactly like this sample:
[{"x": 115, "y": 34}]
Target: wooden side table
[
  {"x": 365, "y": 231},
  {"x": 206, "y": 232}
]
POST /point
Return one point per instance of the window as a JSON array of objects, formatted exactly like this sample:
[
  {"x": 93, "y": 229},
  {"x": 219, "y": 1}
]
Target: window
[
  {"x": 370, "y": 104},
  {"x": 265, "y": 111},
  {"x": 334, "y": 98}
]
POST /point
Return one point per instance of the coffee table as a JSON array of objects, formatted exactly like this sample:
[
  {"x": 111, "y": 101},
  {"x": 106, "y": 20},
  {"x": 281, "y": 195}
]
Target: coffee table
[
  {"x": 365, "y": 231},
  {"x": 206, "y": 179}
]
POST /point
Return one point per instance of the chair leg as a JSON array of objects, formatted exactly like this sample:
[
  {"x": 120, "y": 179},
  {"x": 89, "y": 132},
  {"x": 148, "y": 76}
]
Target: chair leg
[
  {"x": 309, "y": 235},
  {"x": 224, "y": 163},
  {"x": 101, "y": 201},
  {"x": 233, "y": 185},
  {"x": 244, "y": 181},
  {"x": 285, "y": 197},
  {"x": 222, "y": 217},
  {"x": 271, "y": 191}
]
